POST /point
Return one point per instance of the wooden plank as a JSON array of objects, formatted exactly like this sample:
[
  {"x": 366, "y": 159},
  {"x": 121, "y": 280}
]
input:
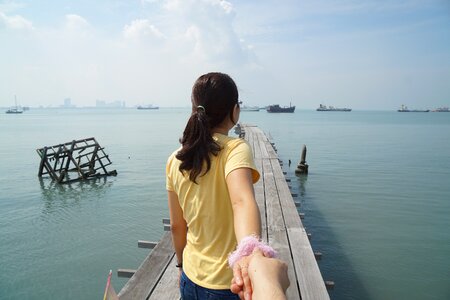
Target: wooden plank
[
  {"x": 264, "y": 153},
  {"x": 259, "y": 186},
  {"x": 150, "y": 271},
  {"x": 276, "y": 230},
  {"x": 128, "y": 273},
  {"x": 307, "y": 271},
  {"x": 167, "y": 287},
  {"x": 307, "y": 274},
  {"x": 146, "y": 244}
]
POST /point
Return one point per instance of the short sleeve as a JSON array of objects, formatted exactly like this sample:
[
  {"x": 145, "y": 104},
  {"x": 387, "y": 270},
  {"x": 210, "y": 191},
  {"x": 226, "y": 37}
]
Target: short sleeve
[
  {"x": 169, "y": 183},
  {"x": 241, "y": 157}
]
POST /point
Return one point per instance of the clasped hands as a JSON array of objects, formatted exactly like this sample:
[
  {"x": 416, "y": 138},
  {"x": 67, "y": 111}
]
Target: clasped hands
[{"x": 258, "y": 277}]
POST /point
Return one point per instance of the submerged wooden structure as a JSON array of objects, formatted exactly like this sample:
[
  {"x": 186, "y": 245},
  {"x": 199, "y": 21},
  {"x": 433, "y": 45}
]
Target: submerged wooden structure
[
  {"x": 73, "y": 161},
  {"x": 156, "y": 277}
]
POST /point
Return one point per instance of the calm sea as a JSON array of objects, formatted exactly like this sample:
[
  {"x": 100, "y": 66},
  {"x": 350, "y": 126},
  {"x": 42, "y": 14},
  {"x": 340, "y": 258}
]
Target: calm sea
[{"x": 377, "y": 199}]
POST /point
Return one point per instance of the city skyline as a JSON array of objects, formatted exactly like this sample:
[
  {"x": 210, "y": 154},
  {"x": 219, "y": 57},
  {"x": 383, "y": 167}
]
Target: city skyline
[{"x": 360, "y": 54}]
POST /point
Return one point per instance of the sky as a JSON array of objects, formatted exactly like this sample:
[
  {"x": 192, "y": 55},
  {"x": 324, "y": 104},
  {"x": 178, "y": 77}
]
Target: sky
[{"x": 366, "y": 54}]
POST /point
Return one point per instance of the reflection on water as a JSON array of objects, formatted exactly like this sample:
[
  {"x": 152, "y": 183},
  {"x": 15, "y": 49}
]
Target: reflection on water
[
  {"x": 62, "y": 196},
  {"x": 301, "y": 179},
  {"x": 336, "y": 265}
]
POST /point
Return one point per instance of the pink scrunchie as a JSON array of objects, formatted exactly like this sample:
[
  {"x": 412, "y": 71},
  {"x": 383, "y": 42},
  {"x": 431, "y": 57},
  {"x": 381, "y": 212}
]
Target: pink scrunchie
[{"x": 246, "y": 247}]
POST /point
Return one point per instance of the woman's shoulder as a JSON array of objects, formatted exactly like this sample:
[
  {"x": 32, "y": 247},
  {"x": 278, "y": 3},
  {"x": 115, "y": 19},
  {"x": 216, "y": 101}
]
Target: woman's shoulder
[
  {"x": 172, "y": 155},
  {"x": 234, "y": 143},
  {"x": 228, "y": 141}
]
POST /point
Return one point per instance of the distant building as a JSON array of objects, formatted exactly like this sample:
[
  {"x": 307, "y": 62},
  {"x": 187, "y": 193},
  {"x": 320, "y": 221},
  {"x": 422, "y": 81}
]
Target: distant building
[
  {"x": 68, "y": 103},
  {"x": 114, "y": 104}
]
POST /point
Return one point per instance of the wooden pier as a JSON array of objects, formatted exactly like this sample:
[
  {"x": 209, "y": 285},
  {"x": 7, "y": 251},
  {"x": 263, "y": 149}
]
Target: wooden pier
[{"x": 156, "y": 278}]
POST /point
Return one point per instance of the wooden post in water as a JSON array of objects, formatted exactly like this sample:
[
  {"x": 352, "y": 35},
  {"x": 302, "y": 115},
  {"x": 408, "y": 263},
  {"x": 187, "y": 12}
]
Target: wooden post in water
[{"x": 302, "y": 167}]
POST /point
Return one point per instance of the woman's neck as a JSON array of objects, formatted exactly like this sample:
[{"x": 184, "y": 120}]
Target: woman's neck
[
  {"x": 223, "y": 127},
  {"x": 220, "y": 130}
]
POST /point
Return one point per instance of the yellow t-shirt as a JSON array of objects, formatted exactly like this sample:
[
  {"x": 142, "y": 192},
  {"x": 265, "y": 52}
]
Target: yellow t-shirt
[{"x": 208, "y": 212}]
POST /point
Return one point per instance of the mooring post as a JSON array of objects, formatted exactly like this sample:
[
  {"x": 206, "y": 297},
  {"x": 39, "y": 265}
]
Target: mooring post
[
  {"x": 302, "y": 167},
  {"x": 43, "y": 153}
]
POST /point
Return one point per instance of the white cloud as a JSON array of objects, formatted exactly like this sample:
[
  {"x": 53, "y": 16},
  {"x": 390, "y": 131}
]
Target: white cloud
[
  {"x": 141, "y": 28},
  {"x": 267, "y": 47},
  {"x": 15, "y": 22},
  {"x": 205, "y": 29},
  {"x": 78, "y": 59},
  {"x": 76, "y": 22},
  {"x": 10, "y": 6},
  {"x": 227, "y": 7}
]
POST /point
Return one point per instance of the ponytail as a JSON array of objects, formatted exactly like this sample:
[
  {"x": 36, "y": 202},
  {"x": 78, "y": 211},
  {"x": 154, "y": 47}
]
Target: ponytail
[
  {"x": 197, "y": 145},
  {"x": 214, "y": 96}
]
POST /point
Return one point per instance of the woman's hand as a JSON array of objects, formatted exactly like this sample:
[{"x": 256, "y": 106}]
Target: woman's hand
[{"x": 241, "y": 284}]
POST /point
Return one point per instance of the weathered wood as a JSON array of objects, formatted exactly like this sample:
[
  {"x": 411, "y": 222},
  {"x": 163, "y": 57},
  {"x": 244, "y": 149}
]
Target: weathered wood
[
  {"x": 63, "y": 172},
  {"x": 302, "y": 167},
  {"x": 276, "y": 229},
  {"x": 58, "y": 160},
  {"x": 147, "y": 244},
  {"x": 150, "y": 271},
  {"x": 329, "y": 284},
  {"x": 167, "y": 287},
  {"x": 42, "y": 153},
  {"x": 310, "y": 280},
  {"x": 318, "y": 255},
  {"x": 127, "y": 273},
  {"x": 259, "y": 186}
]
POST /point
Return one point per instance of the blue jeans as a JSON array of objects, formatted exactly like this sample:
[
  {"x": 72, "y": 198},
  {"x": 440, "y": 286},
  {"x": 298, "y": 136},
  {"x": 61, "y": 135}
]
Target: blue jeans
[{"x": 191, "y": 291}]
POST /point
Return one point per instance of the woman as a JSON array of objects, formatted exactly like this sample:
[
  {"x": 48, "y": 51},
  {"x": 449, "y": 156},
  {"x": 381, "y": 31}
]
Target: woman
[{"x": 210, "y": 192}]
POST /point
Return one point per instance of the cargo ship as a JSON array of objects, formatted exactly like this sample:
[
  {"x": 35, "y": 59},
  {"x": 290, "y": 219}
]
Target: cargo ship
[
  {"x": 331, "y": 108},
  {"x": 276, "y": 108},
  {"x": 405, "y": 108}
]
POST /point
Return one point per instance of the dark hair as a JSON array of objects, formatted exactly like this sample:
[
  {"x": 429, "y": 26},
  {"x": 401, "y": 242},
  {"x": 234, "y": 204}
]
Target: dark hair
[{"x": 214, "y": 96}]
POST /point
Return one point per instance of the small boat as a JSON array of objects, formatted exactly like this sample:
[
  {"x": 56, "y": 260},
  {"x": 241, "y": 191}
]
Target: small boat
[
  {"x": 331, "y": 108},
  {"x": 248, "y": 108},
  {"x": 150, "y": 106},
  {"x": 276, "y": 108},
  {"x": 15, "y": 109},
  {"x": 441, "y": 109},
  {"x": 404, "y": 108}
]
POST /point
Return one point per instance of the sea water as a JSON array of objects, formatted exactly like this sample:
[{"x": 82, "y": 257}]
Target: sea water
[{"x": 376, "y": 199}]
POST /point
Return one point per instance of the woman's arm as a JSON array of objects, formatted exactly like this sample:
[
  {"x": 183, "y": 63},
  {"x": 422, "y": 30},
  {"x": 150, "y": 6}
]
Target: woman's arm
[
  {"x": 178, "y": 225},
  {"x": 247, "y": 220}
]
